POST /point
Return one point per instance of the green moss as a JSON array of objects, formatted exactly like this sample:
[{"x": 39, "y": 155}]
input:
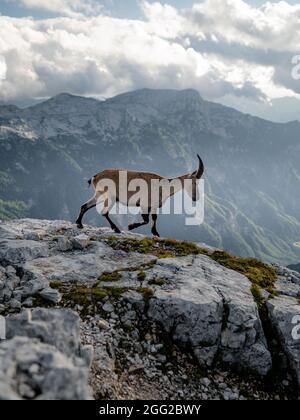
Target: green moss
[
  {"x": 157, "y": 282},
  {"x": 141, "y": 276},
  {"x": 161, "y": 248},
  {"x": 257, "y": 295},
  {"x": 115, "y": 291},
  {"x": 257, "y": 272},
  {"x": 110, "y": 277},
  {"x": 273, "y": 292},
  {"x": 183, "y": 248},
  {"x": 98, "y": 294},
  {"x": 117, "y": 275},
  {"x": 147, "y": 292},
  {"x": 85, "y": 296},
  {"x": 56, "y": 284},
  {"x": 79, "y": 296}
]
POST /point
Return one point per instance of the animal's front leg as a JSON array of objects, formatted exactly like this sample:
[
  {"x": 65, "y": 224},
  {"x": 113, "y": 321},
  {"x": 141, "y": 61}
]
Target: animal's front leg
[{"x": 112, "y": 225}]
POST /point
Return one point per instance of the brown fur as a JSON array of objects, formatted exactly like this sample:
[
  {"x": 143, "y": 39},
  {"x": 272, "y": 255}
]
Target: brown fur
[{"x": 113, "y": 175}]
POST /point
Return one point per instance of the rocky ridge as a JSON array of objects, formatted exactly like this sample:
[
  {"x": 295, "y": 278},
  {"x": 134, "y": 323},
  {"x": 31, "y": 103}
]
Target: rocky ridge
[{"x": 138, "y": 318}]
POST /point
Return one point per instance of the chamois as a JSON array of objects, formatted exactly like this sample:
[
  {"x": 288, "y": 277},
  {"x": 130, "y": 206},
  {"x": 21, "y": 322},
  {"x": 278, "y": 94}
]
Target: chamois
[{"x": 152, "y": 195}]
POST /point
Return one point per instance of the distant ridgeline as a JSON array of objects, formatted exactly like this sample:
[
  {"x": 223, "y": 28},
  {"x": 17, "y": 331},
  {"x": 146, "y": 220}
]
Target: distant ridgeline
[
  {"x": 295, "y": 267},
  {"x": 252, "y": 177}
]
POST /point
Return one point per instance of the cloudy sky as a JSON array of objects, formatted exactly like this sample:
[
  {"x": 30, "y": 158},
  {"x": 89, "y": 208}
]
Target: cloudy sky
[{"x": 239, "y": 53}]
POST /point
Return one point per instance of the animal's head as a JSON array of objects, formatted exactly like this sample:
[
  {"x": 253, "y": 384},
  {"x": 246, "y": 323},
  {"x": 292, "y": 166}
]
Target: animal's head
[{"x": 192, "y": 186}]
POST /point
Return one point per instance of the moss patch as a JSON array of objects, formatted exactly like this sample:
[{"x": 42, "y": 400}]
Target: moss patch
[
  {"x": 257, "y": 295},
  {"x": 141, "y": 276},
  {"x": 273, "y": 292},
  {"x": 147, "y": 292},
  {"x": 115, "y": 291},
  {"x": 157, "y": 282},
  {"x": 56, "y": 284},
  {"x": 85, "y": 296},
  {"x": 161, "y": 248},
  {"x": 110, "y": 277},
  {"x": 262, "y": 276},
  {"x": 257, "y": 272}
]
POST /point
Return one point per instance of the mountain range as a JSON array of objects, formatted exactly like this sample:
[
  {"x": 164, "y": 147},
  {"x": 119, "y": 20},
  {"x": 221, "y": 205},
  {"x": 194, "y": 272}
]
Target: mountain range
[{"x": 252, "y": 178}]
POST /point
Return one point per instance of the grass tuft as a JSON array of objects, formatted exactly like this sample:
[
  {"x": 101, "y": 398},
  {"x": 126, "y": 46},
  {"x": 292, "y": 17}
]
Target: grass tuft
[
  {"x": 110, "y": 277},
  {"x": 85, "y": 296},
  {"x": 257, "y": 272},
  {"x": 157, "y": 282},
  {"x": 161, "y": 248},
  {"x": 147, "y": 292},
  {"x": 257, "y": 295},
  {"x": 115, "y": 291},
  {"x": 141, "y": 276},
  {"x": 56, "y": 284}
]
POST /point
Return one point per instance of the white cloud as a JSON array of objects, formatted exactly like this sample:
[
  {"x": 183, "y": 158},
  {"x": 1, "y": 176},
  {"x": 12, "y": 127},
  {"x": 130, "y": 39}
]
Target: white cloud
[
  {"x": 220, "y": 47},
  {"x": 3, "y": 68},
  {"x": 63, "y": 7},
  {"x": 273, "y": 25}
]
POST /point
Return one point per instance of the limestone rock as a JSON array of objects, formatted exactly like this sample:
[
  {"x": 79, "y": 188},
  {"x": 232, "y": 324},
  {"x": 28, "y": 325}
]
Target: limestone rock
[
  {"x": 55, "y": 378},
  {"x": 284, "y": 313},
  {"x": 19, "y": 251},
  {"x": 43, "y": 346},
  {"x": 57, "y": 327},
  {"x": 50, "y": 295},
  {"x": 201, "y": 306},
  {"x": 81, "y": 241},
  {"x": 212, "y": 309}
]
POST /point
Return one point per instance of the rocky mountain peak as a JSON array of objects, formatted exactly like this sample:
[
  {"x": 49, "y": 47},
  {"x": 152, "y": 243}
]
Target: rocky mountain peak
[
  {"x": 159, "y": 98},
  {"x": 64, "y": 103}
]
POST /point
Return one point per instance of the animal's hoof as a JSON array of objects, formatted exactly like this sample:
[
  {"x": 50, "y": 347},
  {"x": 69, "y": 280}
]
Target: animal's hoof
[
  {"x": 131, "y": 227},
  {"x": 80, "y": 226},
  {"x": 156, "y": 234},
  {"x": 117, "y": 230}
]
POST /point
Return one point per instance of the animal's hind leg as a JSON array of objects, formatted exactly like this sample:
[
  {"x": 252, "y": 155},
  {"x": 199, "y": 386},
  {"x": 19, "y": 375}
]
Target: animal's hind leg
[
  {"x": 154, "y": 229},
  {"x": 146, "y": 219},
  {"x": 84, "y": 208}
]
